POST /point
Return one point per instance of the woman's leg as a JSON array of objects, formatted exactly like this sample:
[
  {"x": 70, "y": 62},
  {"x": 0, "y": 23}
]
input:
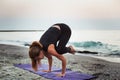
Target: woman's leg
[{"x": 63, "y": 40}]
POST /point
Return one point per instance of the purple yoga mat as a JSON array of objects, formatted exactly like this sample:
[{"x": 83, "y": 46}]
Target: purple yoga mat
[{"x": 70, "y": 75}]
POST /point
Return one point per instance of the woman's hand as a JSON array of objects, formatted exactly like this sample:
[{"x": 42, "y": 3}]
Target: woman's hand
[
  {"x": 46, "y": 70},
  {"x": 60, "y": 75}
]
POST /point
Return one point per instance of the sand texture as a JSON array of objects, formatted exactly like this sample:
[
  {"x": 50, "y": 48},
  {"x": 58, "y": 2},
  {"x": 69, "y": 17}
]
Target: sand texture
[{"x": 10, "y": 55}]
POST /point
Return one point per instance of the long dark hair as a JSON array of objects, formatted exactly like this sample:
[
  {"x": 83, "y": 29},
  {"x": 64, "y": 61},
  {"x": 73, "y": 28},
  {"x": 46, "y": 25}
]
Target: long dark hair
[{"x": 34, "y": 51}]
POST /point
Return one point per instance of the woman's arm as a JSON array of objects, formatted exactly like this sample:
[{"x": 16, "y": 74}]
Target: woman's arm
[
  {"x": 52, "y": 51},
  {"x": 49, "y": 61}
]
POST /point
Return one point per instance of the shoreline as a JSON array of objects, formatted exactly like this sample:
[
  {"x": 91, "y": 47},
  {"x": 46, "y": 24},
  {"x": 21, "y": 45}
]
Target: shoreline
[
  {"x": 10, "y": 54},
  {"x": 110, "y": 59},
  {"x": 106, "y": 58}
]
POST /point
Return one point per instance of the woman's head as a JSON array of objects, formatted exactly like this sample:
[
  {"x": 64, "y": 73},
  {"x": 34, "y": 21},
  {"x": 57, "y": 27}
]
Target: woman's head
[{"x": 35, "y": 53}]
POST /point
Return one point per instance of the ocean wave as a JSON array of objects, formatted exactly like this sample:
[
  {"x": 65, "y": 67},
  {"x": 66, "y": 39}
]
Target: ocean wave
[
  {"x": 88, "y": 44},
  {"x": 15, "y": 42},
  {"x": 96, "y": 46}
]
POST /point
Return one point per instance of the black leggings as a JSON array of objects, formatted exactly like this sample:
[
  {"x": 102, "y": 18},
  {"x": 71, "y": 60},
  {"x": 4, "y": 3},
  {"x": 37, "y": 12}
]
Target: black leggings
[
  {"x": 63, "y": 39},
  {"x": 57, "y": 37}
]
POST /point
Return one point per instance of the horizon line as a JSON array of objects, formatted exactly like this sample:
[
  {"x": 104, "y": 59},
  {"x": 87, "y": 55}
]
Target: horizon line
[{"x": 21, "y": 30}]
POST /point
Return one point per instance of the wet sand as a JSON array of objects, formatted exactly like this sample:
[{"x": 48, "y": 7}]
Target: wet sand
[{"x": 9, "y": 55}]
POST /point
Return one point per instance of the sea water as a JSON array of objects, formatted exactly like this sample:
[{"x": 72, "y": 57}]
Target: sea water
[{"x": 105, "y": 42}]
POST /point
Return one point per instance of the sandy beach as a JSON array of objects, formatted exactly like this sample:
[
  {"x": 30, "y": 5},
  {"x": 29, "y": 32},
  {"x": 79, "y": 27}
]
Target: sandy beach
[{"x": 9, "y": 55}]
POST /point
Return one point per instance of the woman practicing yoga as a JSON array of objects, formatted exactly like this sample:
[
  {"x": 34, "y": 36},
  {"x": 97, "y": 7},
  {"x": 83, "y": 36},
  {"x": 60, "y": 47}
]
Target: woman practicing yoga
[{"x": 52, "y": 43}]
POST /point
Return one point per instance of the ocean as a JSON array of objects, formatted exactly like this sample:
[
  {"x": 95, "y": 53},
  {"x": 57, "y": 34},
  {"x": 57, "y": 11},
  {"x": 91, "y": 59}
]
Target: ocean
[{"x": 105, "y": 42}]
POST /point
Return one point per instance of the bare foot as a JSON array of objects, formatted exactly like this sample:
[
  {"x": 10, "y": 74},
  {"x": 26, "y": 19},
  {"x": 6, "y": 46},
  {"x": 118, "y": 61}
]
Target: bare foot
[
  {"x": 60, "y": 75},
  {"x": 72, "y": 51}
]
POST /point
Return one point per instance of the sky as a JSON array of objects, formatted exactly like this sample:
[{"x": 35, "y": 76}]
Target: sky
[{"x": 78, "y": 14}]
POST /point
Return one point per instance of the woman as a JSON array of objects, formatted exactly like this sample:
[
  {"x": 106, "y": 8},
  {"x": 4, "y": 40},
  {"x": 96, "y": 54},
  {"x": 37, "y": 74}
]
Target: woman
[{"x": 52, "y": 43}]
